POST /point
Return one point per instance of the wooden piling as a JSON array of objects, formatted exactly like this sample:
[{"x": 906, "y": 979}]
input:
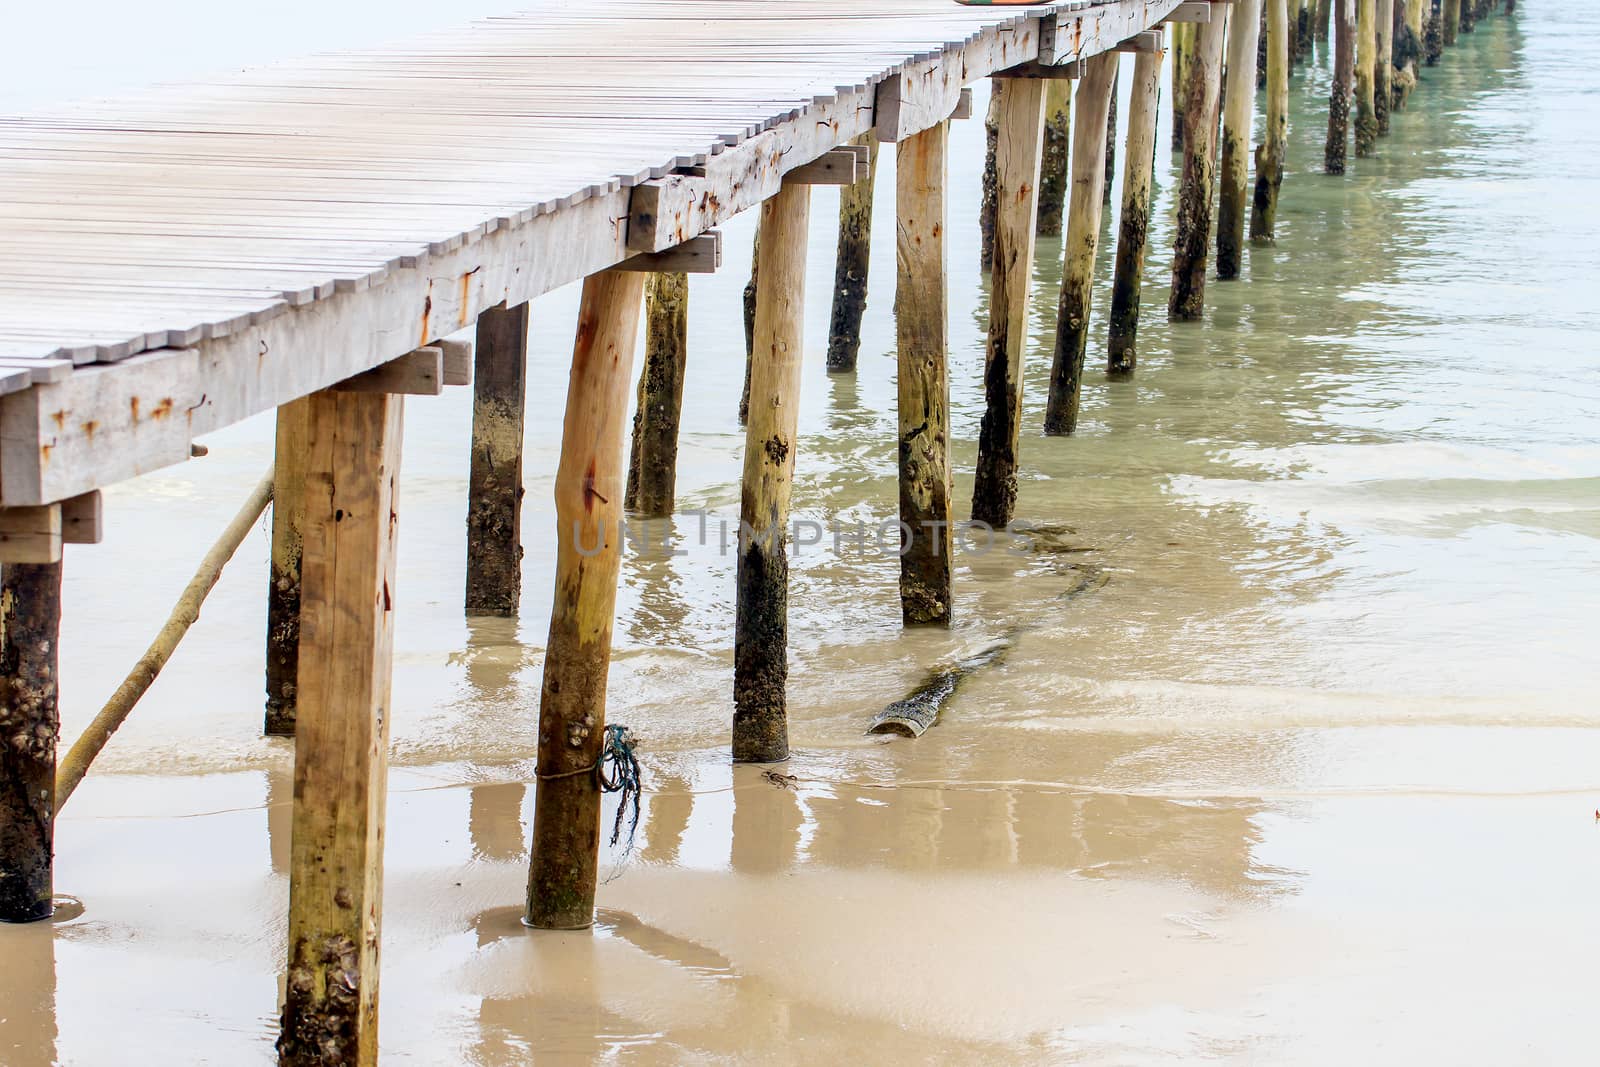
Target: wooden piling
[
  {"x": 923, "y": 380},
  {"x": 850, "y": 267},
  {"x": 1053, "y": 163},
  {"x": 1383, "y": 66},
  {"x": 1021, "y": 125},
  {"x": 989, "y": 206},
  {"x": 283, "y": 579},
  {"x": 761, "y": 631},
  {"x": 494, "y": 478},
  {"x": 1326, "y": 12},
  {"x": 1271, "y": 156},
  {"x": 1238, "y": 118},
  {"x": 1092, "y": 105},
  {"x": 1468, "y": 19},
  {"x": 572, "y": 705},
  {"x": 653, "y": 455},
  {"x": 750, "y": 289},
  {"x": 30, "y": 614},
  {"x": 1111, "y": 145},
  {"x": 1303, "y": 23},
  {"x": 330, "y": 1012},
  {"x": 1450, "y": 16},
  {"x": 1199, "y": 164},
  {"x": 1366, "y": 76},
  {"x": 1344, "y": 61},
  {"x": 1128, "y": 279},
  {"x": 1433, "y": 35},
  {"x": 1183, "y": 39}
]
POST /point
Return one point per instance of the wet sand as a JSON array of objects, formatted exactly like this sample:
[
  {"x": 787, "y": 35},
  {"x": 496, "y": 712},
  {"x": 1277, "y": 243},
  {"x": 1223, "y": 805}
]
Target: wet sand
[{"x": 1311, "y": 779}]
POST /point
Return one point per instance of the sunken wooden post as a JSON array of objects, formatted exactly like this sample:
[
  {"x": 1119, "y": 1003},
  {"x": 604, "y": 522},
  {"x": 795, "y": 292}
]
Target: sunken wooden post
[
  {"x": 1128, "y": 280},
  {"x": 30, "y": 612},
  {"x": 1344, "y": 61},
  {"x": 653, "y": 459},
  {"x": 1053, "y": 163},
  {"x": 283, "y": 580},
  {"x": 750, "y": 289},
  {"x": 923, "y": 377},
  {"x": 330, "y": 1012},
  {"x": 1450, "y": 20},
  {"x": 572, "y": 705},
  {"x": 761, "y": 629},
  {"x": 1366, "y": 75},
  {"x": 1238, "y": 117},
  {"x": 1272, "y": 154},
  {"x": 850, "y": 267},
  {"x": 994, "y": 489},
  {"x": 494, "y": 480},
  {"x": 988, "y": 207},
  {"x": 1092, "y": 104},
  {"x": 1204, "y": 79},
  {"x": 1383, "y": 65}
]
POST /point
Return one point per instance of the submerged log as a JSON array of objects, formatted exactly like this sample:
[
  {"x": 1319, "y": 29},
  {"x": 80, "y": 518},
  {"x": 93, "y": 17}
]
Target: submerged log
[
  {"x": 1192, "y": 245},
  {"x": 1271, "y": 155},
  {"x": 30, "y": 614},
  {"x": 1365, "y": 77},
  {"x": 1056, "y": 149},
  {"x": 653, "y": 457},
  {"x": 850, "y": 266},
  {"x": 1344, "y": 61},
  {"x": 1238, "y": 117},
  {"x": 1092, "y": 104},
  {"x": 1128, "y": 279},
  {"x": 494, "y": 479}
]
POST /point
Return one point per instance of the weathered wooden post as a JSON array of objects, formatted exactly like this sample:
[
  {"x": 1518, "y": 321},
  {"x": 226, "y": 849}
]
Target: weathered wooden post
[
  {"x": 1053, "y": 164},
  {"x": 1128, "y": 280},
  {"x": 1238, "y": 118},
  {"x": 750, "y": 289},
  {"x": 1303, "y": 25},
  {"x": 761, "y": 631},
  {"x": 1270, "y": 157},
  {"x": 850, "y": 268},
  {"x": 30, "y": 613},
  {"x": 283, "y": 580},
  {"x": 1383, "y": 81},
  {"x": 1199, "y": 163},
  {"x": 923, "y": 379},
  {"x": 330, "y": 1012},
  {"x": 1021, "y": 124},
  {"x": 989, "y": 207},
  {"x": 1327, "y": 11},
  {"x": 1183, "y": 40},
  {"x": 1468, "y": 19},
  {"x": 1450, "y": 15},
  {"x": 1433, "y": 34},
  {"x": 494, "y": 478},
  {"x": 572, "y": 705},
  {"x": 1111, "y": 144},
  {"x": 1366, "y": 74},
  {"x": 1092, "y": 105},
  {"x": 1344, "y": 61},
  {"x": 653, "y": 455}
]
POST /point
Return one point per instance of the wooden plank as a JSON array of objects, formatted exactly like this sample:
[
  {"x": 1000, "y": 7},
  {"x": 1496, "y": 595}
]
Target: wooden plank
[
  {"x": 1191, "y": 11},
  {"x": 1072, "y": 32},
  {"x": 330, "y": 1010},
  {"x": 457, "y": 361},
  {"x": 418, "y": 373},
  {"x": 839, "y": 166},
  {"x": 30, "y": 535},
  {"x": 1144, "y": 42},
  {"x": 698, "y": 255},
  {"x": 81, "y": 519}
]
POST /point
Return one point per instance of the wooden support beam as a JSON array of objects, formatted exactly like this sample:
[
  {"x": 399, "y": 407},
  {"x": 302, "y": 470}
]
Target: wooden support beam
[
  {"x": 494, "y": 479},
  {"x": 1021, "y": 136},
  {"x": 923, "y": 379},
  {"x": 1191, "y": 11},
  {"x": 1383, "y": 66},
  {"x": 963, "y": 109},
  {"x": 457, "y": 361},
  {"x": 572, "y": 706},
  {"x": 698, "y": 255},
  {"x": 419, "y": 373},
  {"x": 1092, "y": 107},
  {"x": 1238, "y": 119},
  {"x": 1128, "y": 279},
  {"x": 986, "y": 200},
  {"x": 1073, "y": 31},
  {"x": 653, "y": 457},
  {"x": 82, "y": 519},
  {"x": 1272, "y": 156},
  {"x": 330, "y": 1012},
  {"x": 30, "y": 626},
  {"x": 1145, "y": 41},
  {"x": 1366, "y": 74},
  {"x": 1053, "y": 162},
  {"x": 30, "y": 535},
  {"x": 283, "y": 580},
  {"x": 1204, "y": 87},
  {"x": 854, "y": 256},
  {"x": 1067, "y": 71},
  {"x": 761, "y": 631},
  {"x": 1336, "y": 150}
]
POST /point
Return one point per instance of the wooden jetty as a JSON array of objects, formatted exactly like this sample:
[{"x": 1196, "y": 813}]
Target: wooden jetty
[{"x": 308, "y": 237}]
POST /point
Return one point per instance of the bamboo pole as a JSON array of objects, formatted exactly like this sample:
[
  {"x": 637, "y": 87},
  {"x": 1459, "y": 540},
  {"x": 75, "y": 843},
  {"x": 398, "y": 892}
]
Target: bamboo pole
[
  {"x": 1271, "y": 156},
  {"x": 1053, "y": 164},
  {"x": 923, "y": 379},
  {"x": 75, "y": 764},
  {"x": 989, "y": 206},
  {"x": 850, "y": 267},
  {"x": 1128, "y": 279},
  {"x": 1333, "y": 157},
  {"x": 653, "y": 455},
  {"x": 1093, "y": 105},
  {"x": 330, "y": 1012},
  {"x": 761, "y": 631},
  {"x": 572, "y": 705},
  {"x": 1199, "y": 166},
  {"x": 1238, "y": 117},
  {"x": 1021, "y": 126},
  {"x": 1366, "y": 74},
  {"x": 494, "y": 476},
  {"x": 283, "y": 579},
  {"x": 1383, "y": 82},
  {"x": 30, "y": 613}
]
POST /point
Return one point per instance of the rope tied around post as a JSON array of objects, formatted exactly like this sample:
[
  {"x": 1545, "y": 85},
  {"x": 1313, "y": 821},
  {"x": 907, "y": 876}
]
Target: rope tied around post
[{"x": 623, "y": 777}]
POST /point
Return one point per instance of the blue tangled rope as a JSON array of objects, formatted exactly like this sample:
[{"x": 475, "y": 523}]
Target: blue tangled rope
[{"x": 623, "y": 777}]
